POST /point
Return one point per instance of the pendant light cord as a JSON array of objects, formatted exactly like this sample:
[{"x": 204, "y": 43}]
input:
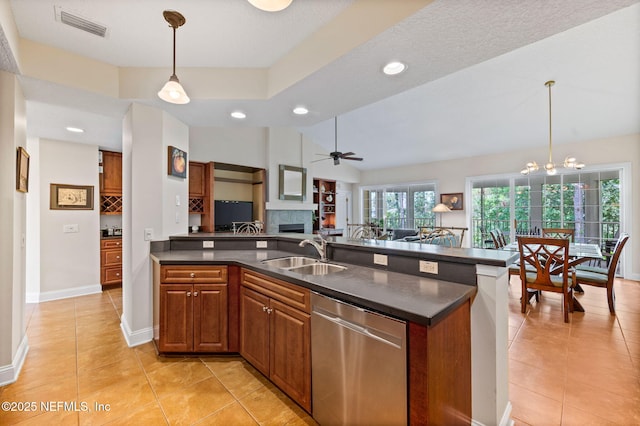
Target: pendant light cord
[
  {"x": 549, "y": 84},
  {"x": 174, "y": 52}
]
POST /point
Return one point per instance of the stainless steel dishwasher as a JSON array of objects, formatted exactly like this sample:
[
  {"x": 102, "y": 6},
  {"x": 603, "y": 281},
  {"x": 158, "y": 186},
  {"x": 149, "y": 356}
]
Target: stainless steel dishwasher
[{"x": 359, "y": 365}]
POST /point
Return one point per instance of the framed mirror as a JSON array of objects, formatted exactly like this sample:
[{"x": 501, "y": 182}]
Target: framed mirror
[{"x": 293, "y": 183}]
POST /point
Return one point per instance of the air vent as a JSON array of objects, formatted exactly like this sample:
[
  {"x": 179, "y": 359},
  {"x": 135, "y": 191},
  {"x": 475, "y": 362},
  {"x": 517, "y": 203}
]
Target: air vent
[{"x": 81, "y": 23}]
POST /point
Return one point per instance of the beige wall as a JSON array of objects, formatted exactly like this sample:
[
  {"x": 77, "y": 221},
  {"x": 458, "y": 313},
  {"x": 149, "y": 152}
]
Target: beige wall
[
  {"x": 451, "y": 176},
  {"x": 13, "y": 341}
]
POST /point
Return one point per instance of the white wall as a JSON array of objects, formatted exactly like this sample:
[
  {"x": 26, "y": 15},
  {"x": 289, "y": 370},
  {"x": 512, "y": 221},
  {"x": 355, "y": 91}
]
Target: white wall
[
  {"x": 33, "y": 223},
  {"x": 451, "y": 177},
  {"x": 245, "y": 146},
  {"x": 149, "y": 202},
  {"x": 69, "y": 262}
]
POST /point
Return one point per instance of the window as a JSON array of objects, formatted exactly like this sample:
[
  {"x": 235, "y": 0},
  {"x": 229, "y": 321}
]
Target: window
[
  {"x": 399, "y": 206},
  {"x": 588, "y": 202}
]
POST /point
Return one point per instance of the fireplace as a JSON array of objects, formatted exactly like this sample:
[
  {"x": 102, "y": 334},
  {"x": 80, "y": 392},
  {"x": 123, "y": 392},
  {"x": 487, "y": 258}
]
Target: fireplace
[{"x": 291, "y": 227}]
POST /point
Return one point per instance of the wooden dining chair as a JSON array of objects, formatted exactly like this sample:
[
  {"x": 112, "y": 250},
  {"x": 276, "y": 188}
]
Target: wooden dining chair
[
  {"x": 558, "y": 233},
  {"x": 549, "y": 258},
  {"x": 603, "y": 277},
  {"x": 499, "y": 241}
]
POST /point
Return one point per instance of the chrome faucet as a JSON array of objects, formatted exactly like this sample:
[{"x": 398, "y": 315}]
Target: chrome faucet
[{"x": 320, "y": 247}]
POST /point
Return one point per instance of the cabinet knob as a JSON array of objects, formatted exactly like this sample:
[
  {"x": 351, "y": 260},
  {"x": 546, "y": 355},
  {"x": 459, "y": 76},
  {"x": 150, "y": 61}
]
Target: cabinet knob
[
  {"x": 188, "y": 294},
  {"x": 195, "y": 293},
  {"x": 117, "y": 274},
  {"x": 192, "y": 275},
  {"x": 117, "y": 257},
  {"x": 269, "y": 310},
  {"x": 264, "y": 309},
  {"x": 117, "y": 244}
]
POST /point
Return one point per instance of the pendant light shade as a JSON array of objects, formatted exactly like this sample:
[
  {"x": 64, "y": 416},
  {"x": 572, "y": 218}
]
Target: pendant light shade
[
  {"x": 550, "y": 166},
  {"x": 271, "y": 5},
  {"x": 172, "y": 91}
]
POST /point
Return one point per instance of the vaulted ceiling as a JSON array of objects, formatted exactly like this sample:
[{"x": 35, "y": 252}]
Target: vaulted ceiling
[{"x": 474, "y": 83}]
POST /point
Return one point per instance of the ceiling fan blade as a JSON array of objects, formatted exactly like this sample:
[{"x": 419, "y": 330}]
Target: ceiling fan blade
[
  {"x": 353, "y": 158},
  {"x": 347, "y": 154},
  {"x": 321, "y": 159}
]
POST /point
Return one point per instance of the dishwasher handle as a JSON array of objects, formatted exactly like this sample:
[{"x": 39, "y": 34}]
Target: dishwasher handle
[{"x": 374, "y": 334}]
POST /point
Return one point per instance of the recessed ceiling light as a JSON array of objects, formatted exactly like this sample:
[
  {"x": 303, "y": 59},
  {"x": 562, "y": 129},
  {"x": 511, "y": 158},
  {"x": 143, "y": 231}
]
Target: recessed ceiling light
[
  {"x": 393, "y": 68},
  {"x": 238, "y": 114},
  {"x": 300, "y": 110},
  {"x": 75, "y": 129}
]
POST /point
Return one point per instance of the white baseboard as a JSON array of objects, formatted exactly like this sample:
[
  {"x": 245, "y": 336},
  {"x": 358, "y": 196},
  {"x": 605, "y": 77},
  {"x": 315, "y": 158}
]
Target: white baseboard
[
  {"x": 9, "y": 373},
  {"x": 64, "y": 294},
  {"x": 135, "y": 338},
  {"x": 504, "y": 421}
]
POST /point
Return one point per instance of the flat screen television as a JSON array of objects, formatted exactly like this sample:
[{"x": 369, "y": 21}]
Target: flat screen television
[{"x": 227, "y": 211}]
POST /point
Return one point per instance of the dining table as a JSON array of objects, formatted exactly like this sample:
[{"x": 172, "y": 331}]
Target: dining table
[{"x": 578, "y": 253}]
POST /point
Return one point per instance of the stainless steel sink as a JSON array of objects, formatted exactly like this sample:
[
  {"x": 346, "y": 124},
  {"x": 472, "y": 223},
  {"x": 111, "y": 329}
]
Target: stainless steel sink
[
  {"x": 289, "y": 262},
  {"x": 318, "y": 269}
]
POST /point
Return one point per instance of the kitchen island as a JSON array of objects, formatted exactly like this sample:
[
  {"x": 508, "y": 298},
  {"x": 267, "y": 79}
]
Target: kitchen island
[{"x": 437, "y": 310}]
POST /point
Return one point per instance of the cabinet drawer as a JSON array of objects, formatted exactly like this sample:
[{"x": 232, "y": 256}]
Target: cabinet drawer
[
  {"x": 115, "y": 243},
  {"x": 193, "y": 274},
  {"x": 111, "y": 258},
  {"x": 291, "y": 294},
  {"x": 111, "y": 275}
]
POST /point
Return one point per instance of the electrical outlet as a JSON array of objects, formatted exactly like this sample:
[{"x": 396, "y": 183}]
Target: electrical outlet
[
  {"x": 261, "y": 244},
  {"x": 428, "y": 267},
  {"x": 380, "y": 259},
  {"x": 207, "y": 244},
  {"x": 148, "y": 234}
]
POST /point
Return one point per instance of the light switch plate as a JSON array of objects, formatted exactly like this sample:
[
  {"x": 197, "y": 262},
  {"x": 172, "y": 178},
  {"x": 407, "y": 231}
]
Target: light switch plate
[
  {"x": 148, "y": 234},
  {"x": 380, "y": 259},
  {"x": 70, "y": 228},
  {"x": 177, "y": 200}
]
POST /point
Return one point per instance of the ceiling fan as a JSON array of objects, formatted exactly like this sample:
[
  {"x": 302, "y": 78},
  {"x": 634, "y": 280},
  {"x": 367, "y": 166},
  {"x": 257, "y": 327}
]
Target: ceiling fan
[{"x": 337, "y": 155}]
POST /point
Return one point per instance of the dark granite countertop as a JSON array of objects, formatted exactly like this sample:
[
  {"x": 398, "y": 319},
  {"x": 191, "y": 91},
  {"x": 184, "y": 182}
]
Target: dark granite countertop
[{"x": 418, "y": 299}]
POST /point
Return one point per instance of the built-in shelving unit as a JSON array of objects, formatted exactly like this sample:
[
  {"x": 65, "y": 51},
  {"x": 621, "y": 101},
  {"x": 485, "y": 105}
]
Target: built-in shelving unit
[
  {"x": 324, "y": 195},
  {"x": 221, "y": 181}
]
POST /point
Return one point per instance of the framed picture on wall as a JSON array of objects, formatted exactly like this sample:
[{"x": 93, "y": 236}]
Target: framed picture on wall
[
  {"x": 22, "y": 170},
  {"x": 453, "y": 201},
  {"x": 70, "y": 197},
  {"x": 177, "y": 162}
]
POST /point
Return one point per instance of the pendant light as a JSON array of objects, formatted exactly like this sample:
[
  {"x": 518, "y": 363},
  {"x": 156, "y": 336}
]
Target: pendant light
[
  {"x": 271, "y": 5},
  {"x": 550, "y": 166},
  {"x": 172, "y": 91}
]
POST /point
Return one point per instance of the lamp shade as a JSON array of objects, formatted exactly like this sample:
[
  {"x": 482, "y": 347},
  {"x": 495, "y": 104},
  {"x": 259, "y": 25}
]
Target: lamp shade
[
  {"x": 271, "y": 5},
  {"x": 440, "y": 208},
  {"x": 173, "y": 92}
]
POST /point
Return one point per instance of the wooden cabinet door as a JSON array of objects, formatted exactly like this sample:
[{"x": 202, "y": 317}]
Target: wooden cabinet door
[
  {"x": 254, "y": 329},
  {"x": 197, "y": 179},
  {"x": 111, "y": 173},
  {"x": 176, "y": 318},
  {"x": 210, "y": 332},
  {"x": 290, "y": 345}
]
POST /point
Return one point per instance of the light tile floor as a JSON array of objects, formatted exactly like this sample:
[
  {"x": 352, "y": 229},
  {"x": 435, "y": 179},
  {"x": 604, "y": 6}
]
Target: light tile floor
[{"x": 584, "y": 372}]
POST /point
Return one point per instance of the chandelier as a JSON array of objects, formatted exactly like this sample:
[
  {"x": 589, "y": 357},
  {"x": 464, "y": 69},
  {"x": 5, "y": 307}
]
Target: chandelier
[{"x": 550, "y": 167}]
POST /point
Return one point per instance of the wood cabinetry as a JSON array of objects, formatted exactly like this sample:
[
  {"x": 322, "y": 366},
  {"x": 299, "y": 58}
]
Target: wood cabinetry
[
  {"x": 193, "y": 315},
  {"x": 275, "y": 334},
  {"x": 200, "y": 189},
  {"x": 324, "y": 195},
  {"x": 111, "y": 183},
  {"x": 110, "y": 261}
]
